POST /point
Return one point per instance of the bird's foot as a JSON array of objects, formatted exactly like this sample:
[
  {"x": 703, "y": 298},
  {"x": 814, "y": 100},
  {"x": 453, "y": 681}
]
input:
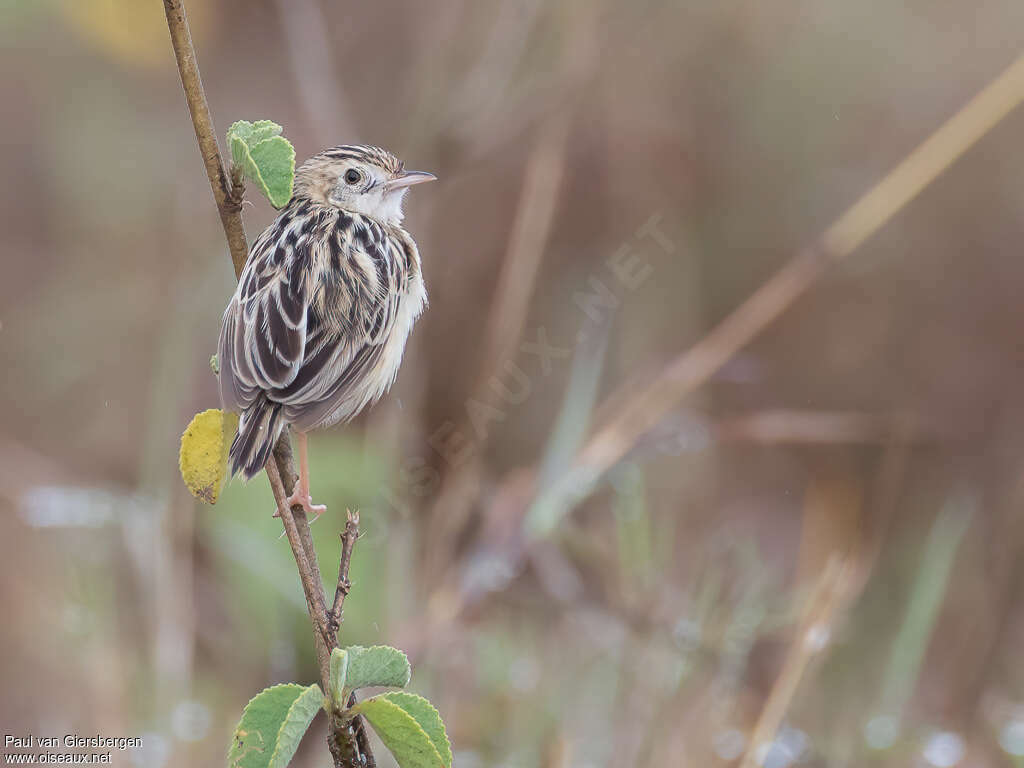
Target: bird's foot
[{"x": 304, "y": 500}]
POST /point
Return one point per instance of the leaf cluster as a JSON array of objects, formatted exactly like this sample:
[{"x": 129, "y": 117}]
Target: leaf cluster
[{"x": 274, "y": 722}]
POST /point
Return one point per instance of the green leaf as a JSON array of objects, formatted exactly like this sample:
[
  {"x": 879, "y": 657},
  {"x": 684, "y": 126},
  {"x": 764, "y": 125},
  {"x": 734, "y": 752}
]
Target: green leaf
[
  {"x": 263, "y": 129},
  {"x": 401, "y": 733},
  {"x": 339, "y": 671},
  {"x": 275, "y": 159},
  {"x": 377, "y": 665},
  {"x": 428, "y": 718},
  {"x": 252, "y": 133},
  {"x": 272, "y": 725},
  {"x": 203, "y": 457},
  {"x": 265, "y": 157}
]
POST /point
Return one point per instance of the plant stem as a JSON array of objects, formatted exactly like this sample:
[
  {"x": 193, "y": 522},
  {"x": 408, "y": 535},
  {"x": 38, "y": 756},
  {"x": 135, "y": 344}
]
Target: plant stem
[
  {"x": 641, "y": 408},
  {"x": 228, "y": 197},
  {"x": 317, "y": 610},
  {"x": 347, "y": 741},
  {"x": 348, "y": 542}
]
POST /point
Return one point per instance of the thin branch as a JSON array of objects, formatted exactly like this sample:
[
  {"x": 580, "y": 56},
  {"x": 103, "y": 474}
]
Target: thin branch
[
  {"x": 348, "y": 541},
  {"x": 226, "y": 195},
  {"x": 286, "y": 467},
  {"x": 647, "y": 406},
  {"x": 318, "y": 611},
  {"x": 347, "y": 748},
  {"x": 528, "y": 242},
  {"x": 531, "y": 230},
  {"x": 796, "y": 426},
  {"x": 831, "y": 594},
  {"x": 361, "y": 738}
]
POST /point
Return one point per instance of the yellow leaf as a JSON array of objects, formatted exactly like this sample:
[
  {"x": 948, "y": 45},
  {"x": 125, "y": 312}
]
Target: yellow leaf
[{"x": 204, "y": 453}]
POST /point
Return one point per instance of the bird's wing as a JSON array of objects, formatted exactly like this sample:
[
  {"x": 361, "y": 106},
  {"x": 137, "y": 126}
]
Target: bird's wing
[
  {"x": 263, "y": 333},
  {"x": 310, "y": 320}
]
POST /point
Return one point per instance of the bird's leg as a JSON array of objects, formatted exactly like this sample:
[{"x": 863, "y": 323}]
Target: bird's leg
[{"x": 300, "y": 494}]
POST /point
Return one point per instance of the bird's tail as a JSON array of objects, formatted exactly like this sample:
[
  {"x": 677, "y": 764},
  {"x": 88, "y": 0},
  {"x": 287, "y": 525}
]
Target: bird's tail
[{"x": 258, "y": 429}]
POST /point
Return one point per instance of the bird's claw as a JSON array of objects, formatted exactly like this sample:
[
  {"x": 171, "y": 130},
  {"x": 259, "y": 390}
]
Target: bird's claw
[{"x": 306, "y": 502}]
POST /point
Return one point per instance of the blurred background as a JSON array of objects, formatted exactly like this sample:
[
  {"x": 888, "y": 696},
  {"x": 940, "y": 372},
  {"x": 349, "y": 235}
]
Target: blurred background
[{"x": 813, "y": 559}]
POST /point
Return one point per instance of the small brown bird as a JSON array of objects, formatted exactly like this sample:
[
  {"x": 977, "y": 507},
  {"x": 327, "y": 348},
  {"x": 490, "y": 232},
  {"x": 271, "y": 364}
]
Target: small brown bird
[{"x": 317, "y": 327}]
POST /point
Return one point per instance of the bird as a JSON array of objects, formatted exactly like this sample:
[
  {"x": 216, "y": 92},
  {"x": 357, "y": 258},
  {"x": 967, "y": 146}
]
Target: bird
[{"x": 317, "y": 327}]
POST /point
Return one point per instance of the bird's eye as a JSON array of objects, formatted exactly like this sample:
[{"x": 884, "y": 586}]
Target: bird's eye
[{"x": 352, "y": 176}]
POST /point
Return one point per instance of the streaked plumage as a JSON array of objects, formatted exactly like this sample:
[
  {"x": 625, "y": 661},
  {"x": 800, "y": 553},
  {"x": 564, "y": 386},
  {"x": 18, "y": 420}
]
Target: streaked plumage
[{"x": 316, "y": 330}]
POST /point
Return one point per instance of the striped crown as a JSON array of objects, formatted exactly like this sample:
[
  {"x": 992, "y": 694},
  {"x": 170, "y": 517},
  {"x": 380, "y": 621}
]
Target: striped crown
[{"x": 364, "y": 153}]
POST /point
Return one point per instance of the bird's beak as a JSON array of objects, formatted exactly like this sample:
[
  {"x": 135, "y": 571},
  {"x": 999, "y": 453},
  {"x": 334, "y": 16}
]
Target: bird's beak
[{"x": 408, "y": 178}]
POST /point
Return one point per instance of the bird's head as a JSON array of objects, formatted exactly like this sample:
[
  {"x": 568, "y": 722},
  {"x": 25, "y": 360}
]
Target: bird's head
[{"x": 359, "y": 179}]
